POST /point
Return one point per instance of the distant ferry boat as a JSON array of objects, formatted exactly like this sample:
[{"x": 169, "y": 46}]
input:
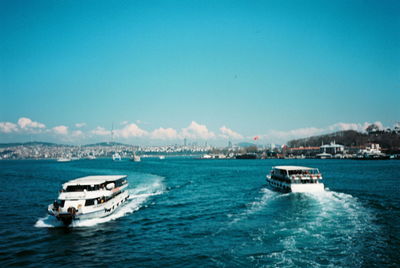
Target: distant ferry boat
[
  {"x": 64, "y": 159},
  {"x": 89, "y": 197},
  {"x": 136, "y": 158},
  {"x": 116, "y": 157},
  {"x": 372, "y": 152},
  {"x": 295, "y": 179}
]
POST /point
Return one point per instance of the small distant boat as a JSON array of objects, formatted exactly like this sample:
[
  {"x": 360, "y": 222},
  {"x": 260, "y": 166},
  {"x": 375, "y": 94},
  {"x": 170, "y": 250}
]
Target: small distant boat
[
  {"x": 246, "y": 156},
  {"x": 89, "y": 197},
  {"x": 324, "y": 155},
  {"x": 116, "y": 157},
  {"x": 295, "y": 179},
  {"x": 372, "y": 152},
  {"x": 136, "y": 158},
  {"x": 161, "y": 157},
  {"x": 64, "y": 159}
]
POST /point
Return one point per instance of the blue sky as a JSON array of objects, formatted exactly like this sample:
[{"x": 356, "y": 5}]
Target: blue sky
[{"x": 277, "y": 69}]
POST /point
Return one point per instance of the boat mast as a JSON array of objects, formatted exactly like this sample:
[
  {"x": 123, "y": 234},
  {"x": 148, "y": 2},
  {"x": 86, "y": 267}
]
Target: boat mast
[{"x": 112, "y": 133}]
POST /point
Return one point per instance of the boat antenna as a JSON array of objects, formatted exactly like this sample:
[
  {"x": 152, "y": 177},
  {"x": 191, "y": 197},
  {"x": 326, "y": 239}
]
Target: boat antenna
[{"x": 112, "y": 133}]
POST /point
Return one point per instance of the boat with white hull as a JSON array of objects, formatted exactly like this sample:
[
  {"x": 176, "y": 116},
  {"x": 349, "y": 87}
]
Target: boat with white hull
[
  {"x": 136, "y": 158},
  {"x": 64, "y": 159},
  {"x": 116, "y": 157},
  {"x": 295, "y": 179},
  {"x": 89, "y": 197}
]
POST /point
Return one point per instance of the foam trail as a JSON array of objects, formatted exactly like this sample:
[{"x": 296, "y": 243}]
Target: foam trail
[
  {"x": 48, "y": 222},
  {"x": 336, "y": 217},
  {"x": 253, "y": 207},
  {"x": 329, "y": 221},
  {"x": 137, "y": 197}
]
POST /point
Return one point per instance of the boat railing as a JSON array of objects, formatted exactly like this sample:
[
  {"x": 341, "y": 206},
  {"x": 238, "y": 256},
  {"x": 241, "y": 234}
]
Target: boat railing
[
  {"x": 298, "y": 178},
  {"x": 305, "y": 178}
]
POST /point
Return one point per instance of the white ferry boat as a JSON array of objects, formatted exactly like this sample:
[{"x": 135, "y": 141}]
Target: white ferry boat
[
  {"x": 89, "y": 197},
  {"x": 295, "y": 179},
  {"x": 64, "y": 159},
  {"x": 116, "y": 157},
  {"x": 135, "y": 158}
]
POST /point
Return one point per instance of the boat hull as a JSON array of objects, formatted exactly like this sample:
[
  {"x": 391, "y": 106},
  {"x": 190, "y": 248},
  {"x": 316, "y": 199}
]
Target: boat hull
[
  {"x": 100, "y": 211},
  {"x": 294, "y": 188},
  {"x": 307, "y": 188}
]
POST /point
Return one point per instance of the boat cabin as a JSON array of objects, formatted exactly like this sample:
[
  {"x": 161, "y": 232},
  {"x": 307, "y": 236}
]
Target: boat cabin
[
  {"x": 94, "y": 183},
  {"x": 295, "y": 174}
]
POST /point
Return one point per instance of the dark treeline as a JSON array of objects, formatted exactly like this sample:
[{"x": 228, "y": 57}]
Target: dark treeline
[{"x": 387, "y": 139}]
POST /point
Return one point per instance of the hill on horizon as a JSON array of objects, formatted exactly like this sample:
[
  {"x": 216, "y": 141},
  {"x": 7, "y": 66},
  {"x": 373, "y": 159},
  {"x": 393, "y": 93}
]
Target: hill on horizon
[
  {"x": 106, "y": 144},
  {"x": 51, "y": 144},
  {"x": 31, "y": 143},
  {"x": 387, "y": 139}
]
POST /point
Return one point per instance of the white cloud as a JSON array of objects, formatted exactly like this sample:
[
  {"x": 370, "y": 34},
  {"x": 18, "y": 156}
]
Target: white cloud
[
  {"x": 197, "y": 131},
  {"x": 164, "y": 134},
  {"x": 345, "y": 126},
  {"x": 8, "y": 127},
  {"x": 305, "y": 132},
  {"x": 79, "y": 125},
  {"x": 229, "y": 133},
  {"x": 194, "y": 131},
  {"x": 379, "y": 124},
  {"x": 100, "y": 131},
  {"x": 77, "y": 133},
  {"x": 353, "y": 126},
  {"x": 25, "y": 123},
  {"x": 283, "y": 136},
  {"x": 61, "y": 130},
  {"x": 131, "y": 130}
]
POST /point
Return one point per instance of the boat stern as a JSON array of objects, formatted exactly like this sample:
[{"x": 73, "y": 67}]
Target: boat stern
[{"x": 307, "y": 188}]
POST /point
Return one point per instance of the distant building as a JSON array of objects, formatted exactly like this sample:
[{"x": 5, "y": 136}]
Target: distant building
[
  {"x": 229, "y": 144},
  {"x": 332, "y": 148},
  {"x": 301, "y": 151}
]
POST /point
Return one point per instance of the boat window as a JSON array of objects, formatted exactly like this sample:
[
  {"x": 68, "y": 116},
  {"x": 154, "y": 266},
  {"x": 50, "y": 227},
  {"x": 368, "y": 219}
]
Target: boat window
[
  {"x": 295, "y": 172},
  {"x": 61, "y": 203},
  {"x": 81, "y": 188},
  {"x": 120, "y": 182},
  {"x": 282, "y": 172},
  {"x": 77, "y": 188},
  {"x": 304, "y": 172},
  {"x": 89, "y": 202}
]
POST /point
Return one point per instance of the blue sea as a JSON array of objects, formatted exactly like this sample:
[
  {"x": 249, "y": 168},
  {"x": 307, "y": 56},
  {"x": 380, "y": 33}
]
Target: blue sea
[{"x": 187, "y": 212}]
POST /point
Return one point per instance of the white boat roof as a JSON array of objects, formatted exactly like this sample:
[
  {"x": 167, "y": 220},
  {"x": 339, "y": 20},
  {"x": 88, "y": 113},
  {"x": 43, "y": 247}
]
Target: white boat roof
[
  {"x": 323, "y": 154},
  {"x": 331, "y": 146},
  {"x": 293, "y": 167},
  {"x": 94, "y": 180}
]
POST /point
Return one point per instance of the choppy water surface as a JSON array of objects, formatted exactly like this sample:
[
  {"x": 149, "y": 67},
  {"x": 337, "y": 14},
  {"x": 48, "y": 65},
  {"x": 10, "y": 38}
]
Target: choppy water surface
[{"x": 191, "y": 213}]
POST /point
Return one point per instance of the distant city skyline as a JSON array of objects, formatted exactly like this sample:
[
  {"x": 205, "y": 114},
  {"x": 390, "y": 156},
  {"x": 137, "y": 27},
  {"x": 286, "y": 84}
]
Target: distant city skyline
[{"x": 162, "y": 71}]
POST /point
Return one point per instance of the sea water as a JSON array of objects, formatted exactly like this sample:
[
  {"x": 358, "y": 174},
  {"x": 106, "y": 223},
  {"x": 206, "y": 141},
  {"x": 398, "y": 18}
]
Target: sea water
[{"x": 195, "y": 213}]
